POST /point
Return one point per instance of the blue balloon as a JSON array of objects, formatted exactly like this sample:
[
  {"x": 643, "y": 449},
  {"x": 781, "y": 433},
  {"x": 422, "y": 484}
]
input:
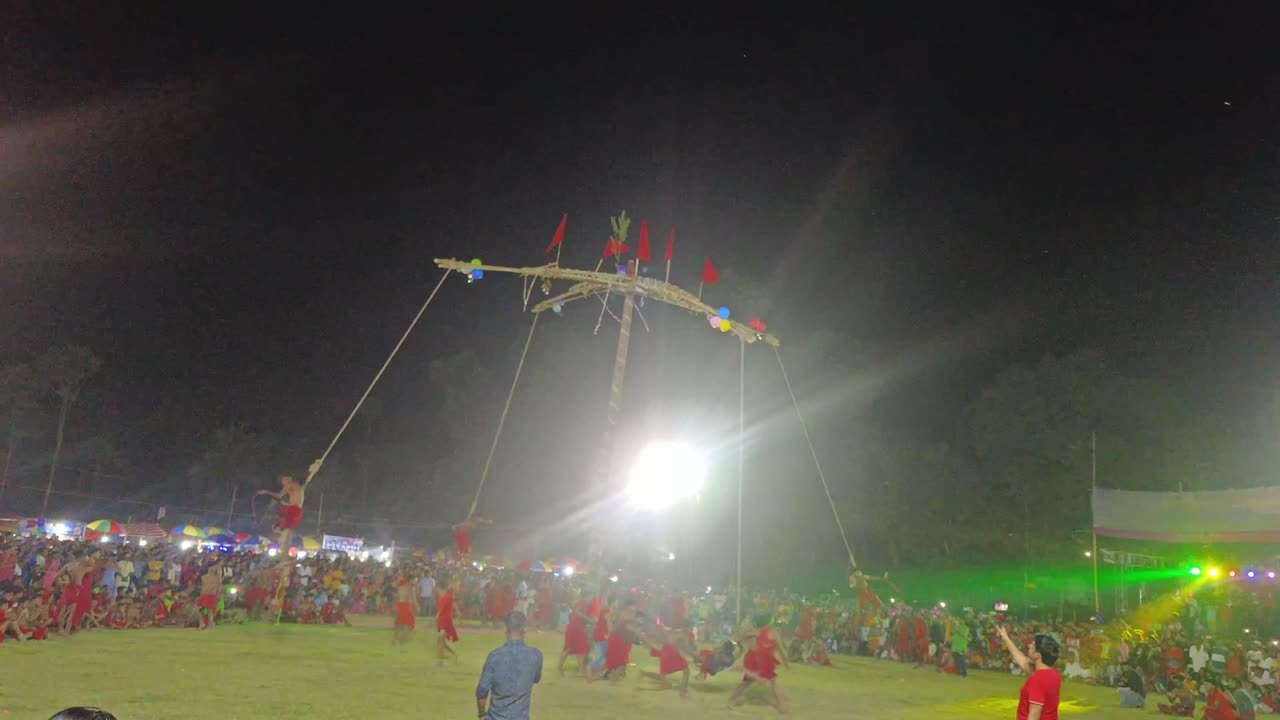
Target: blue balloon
[
  {"x": 723, "y": 312},
  {"x": 477, "y": 274}
]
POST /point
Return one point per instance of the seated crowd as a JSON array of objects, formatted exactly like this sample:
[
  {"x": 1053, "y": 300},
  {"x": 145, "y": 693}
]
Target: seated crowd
[{"x": 1216, "y": 647}]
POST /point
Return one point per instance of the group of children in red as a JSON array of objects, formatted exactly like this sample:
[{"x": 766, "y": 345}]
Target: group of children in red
[
  {"x": 617, "y": 628},
  {"x": 76, "y": 600}
]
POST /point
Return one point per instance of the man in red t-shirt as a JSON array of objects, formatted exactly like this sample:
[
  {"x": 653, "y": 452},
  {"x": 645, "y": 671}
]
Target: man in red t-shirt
[
  {"x": 1217, "y": 704},
  {"x": 1039, "y": 697}
]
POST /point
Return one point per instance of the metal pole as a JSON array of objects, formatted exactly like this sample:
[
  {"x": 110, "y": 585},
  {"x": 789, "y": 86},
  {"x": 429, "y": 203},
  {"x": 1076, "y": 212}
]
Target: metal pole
[
  {"x": 231, "y": 511},
  {"x": 742, "y": 393},
  {"x": 320, "y": 513},
  {"x": 1097, "y": 603}
]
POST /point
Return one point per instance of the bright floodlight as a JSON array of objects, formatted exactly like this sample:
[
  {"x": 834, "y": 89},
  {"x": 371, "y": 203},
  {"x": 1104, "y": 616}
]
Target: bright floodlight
[
  {"x": 187, "y": 544},
  {"x": 664, "y": 473},
  {"x": 568, "y": 571}
]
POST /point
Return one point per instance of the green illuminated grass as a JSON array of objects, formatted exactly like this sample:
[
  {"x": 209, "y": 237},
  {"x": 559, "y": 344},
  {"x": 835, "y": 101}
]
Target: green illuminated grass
[{"x": 261, "y": 671}]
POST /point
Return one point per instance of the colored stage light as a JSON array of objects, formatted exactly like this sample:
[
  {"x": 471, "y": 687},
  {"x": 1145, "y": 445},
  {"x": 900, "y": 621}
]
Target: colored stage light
[
  {"x": 1213, "y": 572},
  {"x": 1271, "y": 574},
  {"x": 1231, "y": 573},
  {"x": 1194, "y": 571},
  {"x": 1251, "y": 573}
]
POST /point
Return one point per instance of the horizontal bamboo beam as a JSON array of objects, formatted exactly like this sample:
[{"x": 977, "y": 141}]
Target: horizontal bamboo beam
[{"x": 588, "y": 282}]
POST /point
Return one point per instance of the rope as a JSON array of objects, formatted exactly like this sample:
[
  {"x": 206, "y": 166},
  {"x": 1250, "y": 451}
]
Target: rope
[
  {"x": 315, "y": 466},
  {"x": 821, "y": 475},
  {"x": 604, "y": 305},
  {"x": 484, "y": 474}
]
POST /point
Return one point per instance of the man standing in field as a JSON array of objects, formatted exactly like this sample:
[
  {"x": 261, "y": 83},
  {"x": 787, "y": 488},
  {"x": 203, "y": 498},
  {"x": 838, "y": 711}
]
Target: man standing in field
[
  {"x": 210, "y": 587},
  {"x": 505, "y": 690},
  {"x": 406, "y": 610},
  {"x": 445, "y": 631}
]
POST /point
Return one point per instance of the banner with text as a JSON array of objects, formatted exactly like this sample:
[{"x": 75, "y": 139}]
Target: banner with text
[{"x": 342, "y": 544}]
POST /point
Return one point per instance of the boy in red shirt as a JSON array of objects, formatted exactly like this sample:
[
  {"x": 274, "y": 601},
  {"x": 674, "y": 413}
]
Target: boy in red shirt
[
  {"x": 1039, "y": 697},
  {"x": 1217, "y": 705},
  {"x": 445, "y": 631},
  {"x": 670, "y": 660}
]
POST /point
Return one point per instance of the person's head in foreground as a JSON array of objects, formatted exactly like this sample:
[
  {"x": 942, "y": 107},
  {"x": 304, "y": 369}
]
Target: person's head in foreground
[
  {"x": 516, "y": 622},
  {"x": 83, "y": 713},
  {"x": 1044, "y": 649}
]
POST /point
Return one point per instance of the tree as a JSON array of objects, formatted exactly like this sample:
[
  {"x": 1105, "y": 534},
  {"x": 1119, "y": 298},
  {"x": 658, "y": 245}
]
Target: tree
[
  {"x": 234, "y": 454},
  {"x": 1031, "y": 431},
  {"x": 65, "y": 368},
  {"x": 17, "y": 396}
]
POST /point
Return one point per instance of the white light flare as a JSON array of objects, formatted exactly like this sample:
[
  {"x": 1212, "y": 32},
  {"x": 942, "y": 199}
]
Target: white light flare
[{"x": 664, "y": 473}]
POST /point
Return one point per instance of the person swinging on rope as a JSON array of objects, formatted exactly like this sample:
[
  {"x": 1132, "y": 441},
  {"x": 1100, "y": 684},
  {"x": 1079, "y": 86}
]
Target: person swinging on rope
[
  {"x": 462, "y": 532},
  {"x": 290, "y": 512}
]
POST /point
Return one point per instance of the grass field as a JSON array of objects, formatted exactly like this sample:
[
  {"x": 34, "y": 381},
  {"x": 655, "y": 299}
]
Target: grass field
[{"x": 264, "y": 671}]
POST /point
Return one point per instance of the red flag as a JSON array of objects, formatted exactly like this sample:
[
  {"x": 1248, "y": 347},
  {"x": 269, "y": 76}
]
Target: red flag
[
  {"x": 709, "y": 274},
  {"x": 642, "y": 250},
  {"x": 671, "y": 243},
  {"x": 613, "y": 247},
  {"x": 559, "y": 237}
]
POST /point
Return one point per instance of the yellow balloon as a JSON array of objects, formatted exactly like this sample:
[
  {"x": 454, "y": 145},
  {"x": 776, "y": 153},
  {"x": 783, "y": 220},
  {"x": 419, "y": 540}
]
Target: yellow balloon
[{"x": 725, "y": 325}]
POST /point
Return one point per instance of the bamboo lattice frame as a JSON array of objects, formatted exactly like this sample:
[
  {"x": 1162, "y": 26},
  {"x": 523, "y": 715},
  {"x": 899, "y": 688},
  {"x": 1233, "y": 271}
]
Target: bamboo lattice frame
[{"x": 588, "y": 284}]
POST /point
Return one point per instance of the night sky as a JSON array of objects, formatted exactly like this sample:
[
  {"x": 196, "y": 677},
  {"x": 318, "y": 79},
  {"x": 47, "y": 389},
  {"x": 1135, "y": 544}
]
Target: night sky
[{"x": 240, "y": 214}]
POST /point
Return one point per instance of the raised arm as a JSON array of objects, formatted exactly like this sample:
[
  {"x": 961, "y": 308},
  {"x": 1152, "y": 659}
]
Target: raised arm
[{"x": 1018, "y": 656}]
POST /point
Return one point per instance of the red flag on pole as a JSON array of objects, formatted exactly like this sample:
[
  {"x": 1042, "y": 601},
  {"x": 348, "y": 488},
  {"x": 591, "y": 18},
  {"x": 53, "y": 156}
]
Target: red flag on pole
[
  {"x": 642, "y": 250},
  {"x": 709, "y": 274},
  {"x": 559, "y": 237},
  {"x": 671, "y": 243},
  {"x": 613, "y": 247}
]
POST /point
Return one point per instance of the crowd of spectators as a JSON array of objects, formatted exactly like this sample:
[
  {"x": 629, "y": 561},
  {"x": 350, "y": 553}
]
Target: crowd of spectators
[{"x": 1217, "y": 645}]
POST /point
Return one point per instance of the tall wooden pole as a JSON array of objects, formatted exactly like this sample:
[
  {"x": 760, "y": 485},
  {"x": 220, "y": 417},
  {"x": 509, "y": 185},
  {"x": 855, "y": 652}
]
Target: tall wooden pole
[
  {"x": 604, "y": 455},
  {"x": 231, "y": 511}
]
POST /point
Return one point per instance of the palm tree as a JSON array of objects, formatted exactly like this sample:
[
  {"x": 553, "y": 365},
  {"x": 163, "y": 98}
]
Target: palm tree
[
  {"x": 17, "y": 392},
  {"x": 66, "y": 368}
]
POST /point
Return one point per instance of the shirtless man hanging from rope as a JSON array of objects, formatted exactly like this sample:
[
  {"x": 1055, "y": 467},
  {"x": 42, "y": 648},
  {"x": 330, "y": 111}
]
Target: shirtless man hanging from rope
[
  {"x": 290, "y": 513},
  {"x": 462, "y": 532}
]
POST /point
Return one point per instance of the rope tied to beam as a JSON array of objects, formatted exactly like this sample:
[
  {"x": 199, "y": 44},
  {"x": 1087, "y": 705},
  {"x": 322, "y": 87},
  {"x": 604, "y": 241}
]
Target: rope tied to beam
[
  {"x": 488, "y": 461},
  {"x": 818, "y": 464}
]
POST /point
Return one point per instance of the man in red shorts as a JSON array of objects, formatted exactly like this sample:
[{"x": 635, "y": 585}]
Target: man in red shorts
[
  {"x": 576, "y": 641},
  {"x": 462, "y": 533},
  {"x": 289, "y": 515},
  {"x": 406, "y": 610},
  {"x": 210, "y": 586},
  {"x": 760, "y": 665},
  {"x": 445, "y": 631}
]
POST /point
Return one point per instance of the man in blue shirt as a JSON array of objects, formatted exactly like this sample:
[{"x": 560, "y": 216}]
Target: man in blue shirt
[{"x": 510, "y": 672}]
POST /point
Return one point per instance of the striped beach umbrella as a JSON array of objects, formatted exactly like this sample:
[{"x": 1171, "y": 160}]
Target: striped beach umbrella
[{"x": 106, "y": 527}]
